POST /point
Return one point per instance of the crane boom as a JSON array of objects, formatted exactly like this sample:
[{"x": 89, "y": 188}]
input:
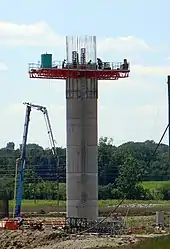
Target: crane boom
[
  {"x": 43, "y": 109},
  {"x": 53, "y": 148},
  {"x": 50, "y": 133},
  {"x": 22, "y": 165}
]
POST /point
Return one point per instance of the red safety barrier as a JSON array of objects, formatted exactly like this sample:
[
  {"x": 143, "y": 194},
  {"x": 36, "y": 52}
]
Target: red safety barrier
[{"x": 11, "y": 225}]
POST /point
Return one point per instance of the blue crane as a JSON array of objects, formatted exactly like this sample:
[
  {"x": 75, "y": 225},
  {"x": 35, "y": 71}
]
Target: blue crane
[
  {"x": 22, "y": 166},
  {"x": 23, "y": 152}
]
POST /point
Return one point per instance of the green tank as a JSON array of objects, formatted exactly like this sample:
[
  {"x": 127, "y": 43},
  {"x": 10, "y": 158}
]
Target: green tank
[{"x": 46, "y": 60}]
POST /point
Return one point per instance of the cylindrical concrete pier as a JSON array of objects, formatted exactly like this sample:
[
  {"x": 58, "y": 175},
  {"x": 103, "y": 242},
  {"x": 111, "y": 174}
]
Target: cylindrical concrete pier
[{"x": 82, "y": 167}]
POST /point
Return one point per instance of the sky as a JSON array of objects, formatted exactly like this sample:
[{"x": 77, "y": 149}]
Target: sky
[{"x": 133, "y": 109}]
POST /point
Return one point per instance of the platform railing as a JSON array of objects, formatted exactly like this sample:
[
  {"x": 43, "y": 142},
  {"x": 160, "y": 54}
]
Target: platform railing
[{"x": 93, "y": 66}]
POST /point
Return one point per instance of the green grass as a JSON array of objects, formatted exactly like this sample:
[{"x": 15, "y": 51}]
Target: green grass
[
  {"x": 151, "y": 243},
  {"x": 139, "y": 221},
  {"x": 107, "y": 203},
  {"x": 102, "y": 203},
  {"x": 155, "y": 184},
  {"x": 151, "y": 185},
  {"x": 154, "y": 243}
]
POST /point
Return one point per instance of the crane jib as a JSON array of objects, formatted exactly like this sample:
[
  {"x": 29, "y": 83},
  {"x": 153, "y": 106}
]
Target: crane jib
[{"x": 19, "y": 190}]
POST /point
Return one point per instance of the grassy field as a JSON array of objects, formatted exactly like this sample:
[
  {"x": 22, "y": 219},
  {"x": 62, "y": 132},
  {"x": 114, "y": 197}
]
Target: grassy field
[
  {"x": 155, "y": 184},
  {"x": 151, "y": 243},
  {"x": 102, "y": 203},
  {"x": 105, "y": 207},
  {"x": 154, "y": 243},
  {"x": 51, "y": 205}
]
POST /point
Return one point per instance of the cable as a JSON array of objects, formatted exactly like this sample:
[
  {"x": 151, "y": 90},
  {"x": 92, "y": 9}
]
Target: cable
[{"x": 123, "y": 199}]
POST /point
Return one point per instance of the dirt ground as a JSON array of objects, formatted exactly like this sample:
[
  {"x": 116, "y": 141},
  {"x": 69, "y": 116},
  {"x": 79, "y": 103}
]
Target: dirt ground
[
  {"x": 51, "y": 239},
  {"x": 48, "y": 239}
]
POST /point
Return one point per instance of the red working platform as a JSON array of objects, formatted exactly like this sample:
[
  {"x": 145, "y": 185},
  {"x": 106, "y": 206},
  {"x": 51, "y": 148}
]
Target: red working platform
[{"x": 108, "y": 71}]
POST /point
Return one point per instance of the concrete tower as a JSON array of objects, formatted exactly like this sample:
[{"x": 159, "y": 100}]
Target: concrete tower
[
  {"x": 81, "y": 116},
  {"x": 81, "y": 73}
]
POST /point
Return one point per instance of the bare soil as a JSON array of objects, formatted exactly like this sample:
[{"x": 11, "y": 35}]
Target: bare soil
[{"x": 48, "y": 239}]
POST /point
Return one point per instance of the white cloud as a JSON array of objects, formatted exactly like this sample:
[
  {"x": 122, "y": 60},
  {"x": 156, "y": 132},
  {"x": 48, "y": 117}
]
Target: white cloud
[
  {"x": 151, "y": 70},
  {"x": 12, "y": 120},
  {"x": 41, "y": 34},
  {"x": 15, "y": 108},
  {"x": 134, "y": 123},
  {"x": 128, "y": 44},
  {"x": 34, "y": 34},
  {"x": 3, "y": 66},
  {"x": 130, "y": 109},
  {"x": 134, "y": 102},
  {"x": 142, "y": 79},
  {"x": 124, "y": 114}
]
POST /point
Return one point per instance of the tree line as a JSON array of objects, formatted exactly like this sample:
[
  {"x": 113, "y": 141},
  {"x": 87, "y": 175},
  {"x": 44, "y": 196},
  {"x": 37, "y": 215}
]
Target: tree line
[{"x": 121, "y": 169}]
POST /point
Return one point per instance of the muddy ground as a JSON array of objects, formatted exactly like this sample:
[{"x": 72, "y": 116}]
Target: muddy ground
[{"x": 48, "y": 239}]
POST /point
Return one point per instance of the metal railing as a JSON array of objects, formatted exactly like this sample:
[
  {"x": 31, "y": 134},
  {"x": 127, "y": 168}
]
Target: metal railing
[{"x": 73, "y": 66}]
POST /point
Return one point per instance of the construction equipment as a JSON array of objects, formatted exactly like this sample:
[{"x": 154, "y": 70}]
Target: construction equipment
[
  {"x": 22, "y": 166},
  {"x": 18, "y": 198}
]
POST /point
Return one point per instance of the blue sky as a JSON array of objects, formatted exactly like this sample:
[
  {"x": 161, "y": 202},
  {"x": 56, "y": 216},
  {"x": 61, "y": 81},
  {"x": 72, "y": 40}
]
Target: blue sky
[{"x": 131, "y": 109}]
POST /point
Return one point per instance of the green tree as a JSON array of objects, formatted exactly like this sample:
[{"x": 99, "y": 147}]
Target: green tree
[
  {"x": 117, "y": 166},
  {"x": 107, "y": 164},
  {"x": 129, "y": 176}
]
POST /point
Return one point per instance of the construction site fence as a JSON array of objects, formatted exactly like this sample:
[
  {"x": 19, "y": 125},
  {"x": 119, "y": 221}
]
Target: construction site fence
[{"x": 114, "y": 225}]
